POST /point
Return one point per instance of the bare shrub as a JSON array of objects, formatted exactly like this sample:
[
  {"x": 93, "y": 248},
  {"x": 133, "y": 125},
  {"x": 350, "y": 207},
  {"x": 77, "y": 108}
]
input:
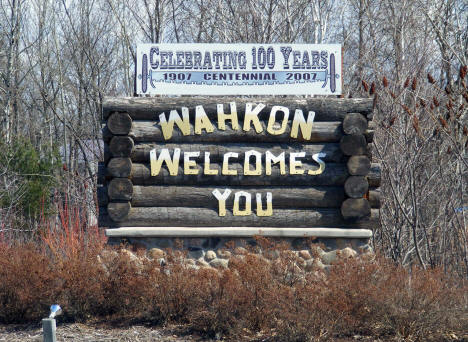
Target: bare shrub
[{"x": 255, "y": 296}]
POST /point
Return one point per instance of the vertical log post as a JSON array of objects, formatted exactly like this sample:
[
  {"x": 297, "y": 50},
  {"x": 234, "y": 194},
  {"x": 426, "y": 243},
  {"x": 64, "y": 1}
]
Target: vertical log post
[
  {"x": 119, "y": 166},
  {"x": 354, "y": 145}
]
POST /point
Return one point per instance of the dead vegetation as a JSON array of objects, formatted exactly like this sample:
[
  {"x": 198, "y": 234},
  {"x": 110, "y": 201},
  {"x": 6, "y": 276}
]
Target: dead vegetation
[{"x": 256, "y": 296}]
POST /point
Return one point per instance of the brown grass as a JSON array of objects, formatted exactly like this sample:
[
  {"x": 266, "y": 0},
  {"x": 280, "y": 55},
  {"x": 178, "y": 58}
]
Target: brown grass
[{"x": 254, "y": 296}]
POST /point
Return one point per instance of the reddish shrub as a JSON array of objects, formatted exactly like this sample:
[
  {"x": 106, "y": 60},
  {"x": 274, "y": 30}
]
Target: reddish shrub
[{"x": 272, "y": 297}]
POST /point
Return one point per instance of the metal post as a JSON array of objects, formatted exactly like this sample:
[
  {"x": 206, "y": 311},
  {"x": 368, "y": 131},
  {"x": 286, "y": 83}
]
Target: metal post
[{"x": 48, "y": 329}]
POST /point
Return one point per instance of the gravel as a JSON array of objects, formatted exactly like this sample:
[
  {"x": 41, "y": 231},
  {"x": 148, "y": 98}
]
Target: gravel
[{"x": 86, "y": 333}]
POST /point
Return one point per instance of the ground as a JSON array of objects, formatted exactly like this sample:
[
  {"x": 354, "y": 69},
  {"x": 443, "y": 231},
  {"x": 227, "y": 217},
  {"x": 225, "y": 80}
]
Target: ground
[
  {"x": 76, "y": 332},
  {"x": 90, "y": 333}
]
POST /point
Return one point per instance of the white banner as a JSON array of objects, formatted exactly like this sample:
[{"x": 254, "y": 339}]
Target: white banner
[{"x": 238, "y": 69}]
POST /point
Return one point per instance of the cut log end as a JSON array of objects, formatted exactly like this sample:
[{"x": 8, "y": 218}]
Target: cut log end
[
  {"x": 355, "y": 209},
  {"x": 359, "y": 165},
  {"x": 119, "y": 167},
  {"x": 120, "y": 189},
  {"x": 121, "y": 146},
  {"x": 119, "y": 123},
  {"x": 353, "y": 144},
  {"x": 118, "y": 211},
  {"x": 354, "y": 123},
  {"x": 356, "y": 186}
]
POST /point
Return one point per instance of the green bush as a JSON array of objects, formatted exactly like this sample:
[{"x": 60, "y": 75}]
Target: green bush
[{"x": 29, "y": 176}]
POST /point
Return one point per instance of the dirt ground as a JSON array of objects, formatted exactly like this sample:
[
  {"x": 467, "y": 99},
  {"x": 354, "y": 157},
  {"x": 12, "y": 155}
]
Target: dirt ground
[
  {"x": 89, "y": 333},
  {"x": 77, "y": 332}
]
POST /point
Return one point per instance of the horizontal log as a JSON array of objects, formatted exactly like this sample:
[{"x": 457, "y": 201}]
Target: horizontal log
[
  {"x": 326, "y": 109},
  {"x": 334, "y": 174},
  {"x": 202, "y": 217},
  {"x": 374, "y": 198},
  {"x": 119, "y": 123},
  {"x": 374, "y": 176},
  {"x": 198, "y": 196},
  {"x": 141, "y": 152},
  {"x": 354, "y": 123},
  {"x": 149, "y": 131}
]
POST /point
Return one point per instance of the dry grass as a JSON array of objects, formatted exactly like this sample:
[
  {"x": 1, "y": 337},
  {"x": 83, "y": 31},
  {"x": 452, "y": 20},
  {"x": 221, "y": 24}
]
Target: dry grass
[{"x": 255, "y": 296}]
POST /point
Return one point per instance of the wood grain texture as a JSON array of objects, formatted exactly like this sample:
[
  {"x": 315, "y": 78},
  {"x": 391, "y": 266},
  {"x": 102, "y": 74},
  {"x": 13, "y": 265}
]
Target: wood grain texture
[
  {"x": 119, "y": 167},
  {"x": 131, "y": 197},
  {"x": 355, "y": 209},
  {"x": 118, "y": 211},
  {"x": 150, "y": 131},
  {"x": 141, "y": 151},
  {"x": 119, "y": 123},
  {"x": 358, "y": 165},
  {"x": 121, "y": 146},
  {"x": 326, "y": 109},
  {"x": 353, "y": 144},
  {"x": 120, "y": 189},
  {"x": 334, "y": 174},
  {"x": 203, "y": 217},
  {"x": 354, "y": 123},
  {"x": 356, "y": 186},
  {"x": 201, "y": 196}
]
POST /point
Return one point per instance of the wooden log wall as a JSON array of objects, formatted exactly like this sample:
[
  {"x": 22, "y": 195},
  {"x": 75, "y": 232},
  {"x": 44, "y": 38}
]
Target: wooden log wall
[{"x": 346, "y": 194}]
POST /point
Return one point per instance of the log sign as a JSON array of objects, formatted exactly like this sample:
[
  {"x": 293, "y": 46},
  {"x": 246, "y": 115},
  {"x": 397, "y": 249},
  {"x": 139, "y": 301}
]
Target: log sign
[
  {"x": 251, "y": 161},
  {"x": 238, "y": 162}
]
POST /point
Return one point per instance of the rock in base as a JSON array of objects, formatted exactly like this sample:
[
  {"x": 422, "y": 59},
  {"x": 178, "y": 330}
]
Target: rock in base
[
  {"x": 347, "y": 253},
  {"x": 240, "y": 251},
  {"x": 201, "y": 262},
  {"x": 316, "y": 252},
  {"x": 196, "y": 254},
  {"x": 329, "y": 257},
  {"x": 304, "y": 254},
  {"x": 314, "y": 264},
  {"x": 219, "y": 263},
  {"x": 224, "y": 254},
  {"x": 210, "y": 255},
  {"x": 156, "y": 253},
  {"x": 189, "y": 262},
  {"x": 271, "y": 254}
]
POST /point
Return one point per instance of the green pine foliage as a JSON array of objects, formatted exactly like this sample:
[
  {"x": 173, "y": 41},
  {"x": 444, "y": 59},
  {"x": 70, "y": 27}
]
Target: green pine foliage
[{"x": 29, "y": 177}]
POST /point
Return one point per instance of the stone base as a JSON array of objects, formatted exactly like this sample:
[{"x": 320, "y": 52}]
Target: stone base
[
  {"x": 213, "y": 245},
  {"x": 193, "y": 245}
]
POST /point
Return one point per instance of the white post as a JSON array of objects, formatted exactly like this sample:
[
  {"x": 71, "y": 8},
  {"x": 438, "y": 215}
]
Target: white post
[{"x": 48, "y": 329}]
